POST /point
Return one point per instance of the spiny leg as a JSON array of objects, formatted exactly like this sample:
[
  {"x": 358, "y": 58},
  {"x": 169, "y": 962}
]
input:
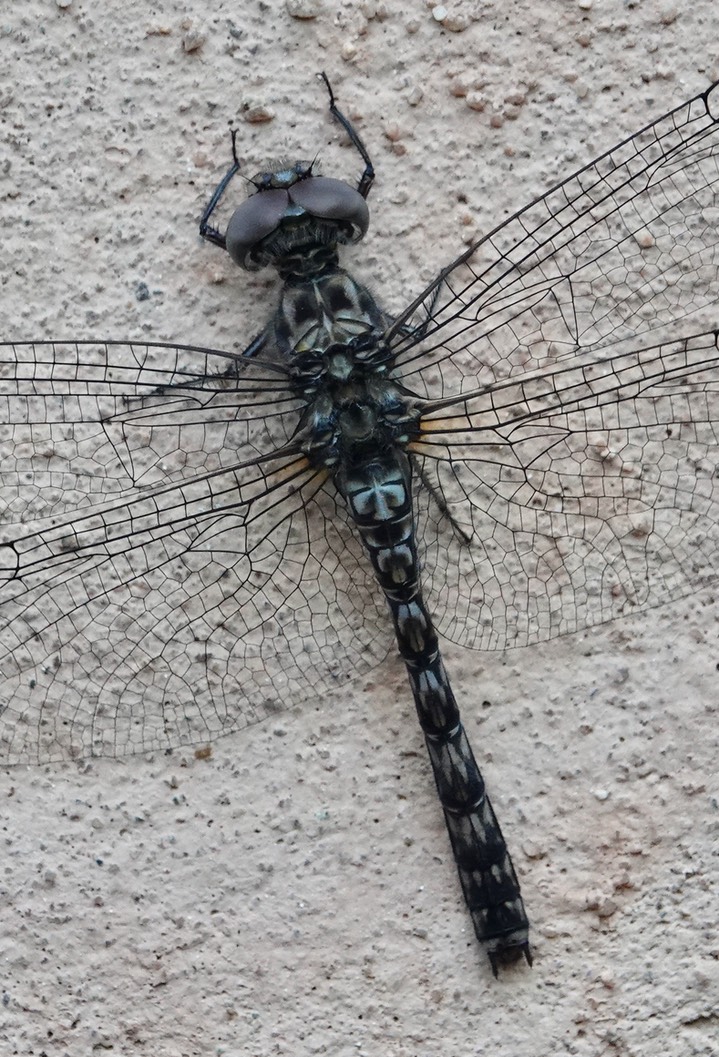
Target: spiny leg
[
  {"x": 207, "y": 231},
  {"x": 367, "y": 178}
]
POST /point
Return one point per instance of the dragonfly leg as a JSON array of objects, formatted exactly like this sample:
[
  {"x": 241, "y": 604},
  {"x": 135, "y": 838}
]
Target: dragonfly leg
[
  {"x": 439, "y": 499},
  {"x": 367, "y": 178},
  {"x": 207, "y": 231}
]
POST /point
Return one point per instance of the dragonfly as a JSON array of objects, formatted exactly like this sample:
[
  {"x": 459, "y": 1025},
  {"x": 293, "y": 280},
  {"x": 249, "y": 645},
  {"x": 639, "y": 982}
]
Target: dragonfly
[{"x": 192, "y": 539}]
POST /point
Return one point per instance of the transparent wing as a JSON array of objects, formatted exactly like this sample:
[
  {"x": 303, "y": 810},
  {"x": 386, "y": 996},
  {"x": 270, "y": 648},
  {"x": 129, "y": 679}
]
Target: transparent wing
[
  {"x": 155, "y": 589},
  {"x": 572, "y": 496},
  {"x": 624, "y": 248},
  {"x": 78, "y": 418}
]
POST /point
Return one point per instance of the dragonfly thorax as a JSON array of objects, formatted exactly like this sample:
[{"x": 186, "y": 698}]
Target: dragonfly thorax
[
  {"x": 353, "y": 413},
  {"x": 323, "y": 314},
  {"x": 341, "y": 364}
]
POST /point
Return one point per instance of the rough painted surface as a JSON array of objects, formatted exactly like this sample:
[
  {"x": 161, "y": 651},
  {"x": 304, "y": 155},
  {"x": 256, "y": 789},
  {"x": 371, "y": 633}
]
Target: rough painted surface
[{"x": 293, "y": 893}]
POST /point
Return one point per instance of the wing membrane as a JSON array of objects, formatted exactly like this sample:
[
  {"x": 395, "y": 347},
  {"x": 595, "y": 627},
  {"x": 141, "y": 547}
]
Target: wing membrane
[
  {"x": 80, "y": 421},
  {"x": 626, "y": 247},
  {"x": 168, "y": 593},
  {"x": 577, "y": 495}
]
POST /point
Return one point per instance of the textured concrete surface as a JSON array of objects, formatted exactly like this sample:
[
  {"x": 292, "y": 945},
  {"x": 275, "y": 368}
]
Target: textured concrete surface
[{"x": 293, "y": 893}]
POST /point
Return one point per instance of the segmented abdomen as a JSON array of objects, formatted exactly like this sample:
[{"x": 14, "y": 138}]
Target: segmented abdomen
[{"x": 379, "y": 496}]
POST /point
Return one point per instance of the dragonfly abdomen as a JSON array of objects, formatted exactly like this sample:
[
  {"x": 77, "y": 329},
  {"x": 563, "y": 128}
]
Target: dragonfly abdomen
[{"x": 379, "y": 497}]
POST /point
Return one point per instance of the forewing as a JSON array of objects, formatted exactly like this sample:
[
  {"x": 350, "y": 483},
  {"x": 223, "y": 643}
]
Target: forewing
[
  {"x": 626, "y": 247},
  {"x": 572, "y": 496},
  {"x": 81, "y": 421},
  {"x": 155, "y": 589}
]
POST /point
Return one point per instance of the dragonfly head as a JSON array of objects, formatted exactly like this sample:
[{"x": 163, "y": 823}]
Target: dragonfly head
[{"x": 294, "y": 210}]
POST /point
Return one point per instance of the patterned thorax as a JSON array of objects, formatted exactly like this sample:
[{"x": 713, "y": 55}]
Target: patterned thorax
[
  {"x": 323, "y": 310},
  {"x": 354, "y": 410},
  {"x": 329, "y": 328}
]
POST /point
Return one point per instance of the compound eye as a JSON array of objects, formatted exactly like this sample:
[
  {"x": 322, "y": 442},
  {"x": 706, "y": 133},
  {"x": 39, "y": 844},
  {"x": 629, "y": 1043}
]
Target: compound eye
[
  {"x": 330, "y": 199},
  {"x": 251, "y": 222}
]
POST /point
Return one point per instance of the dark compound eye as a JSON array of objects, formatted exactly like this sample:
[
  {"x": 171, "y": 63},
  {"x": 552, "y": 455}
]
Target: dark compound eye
[
  {"x": 251, "y": 222},
  {"x": 317, "y": 196},
  {"x": 330, "y": 199}
]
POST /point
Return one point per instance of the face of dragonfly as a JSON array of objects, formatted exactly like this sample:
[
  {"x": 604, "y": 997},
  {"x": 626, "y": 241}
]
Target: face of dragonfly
[{"x": 293, "y": 212}]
